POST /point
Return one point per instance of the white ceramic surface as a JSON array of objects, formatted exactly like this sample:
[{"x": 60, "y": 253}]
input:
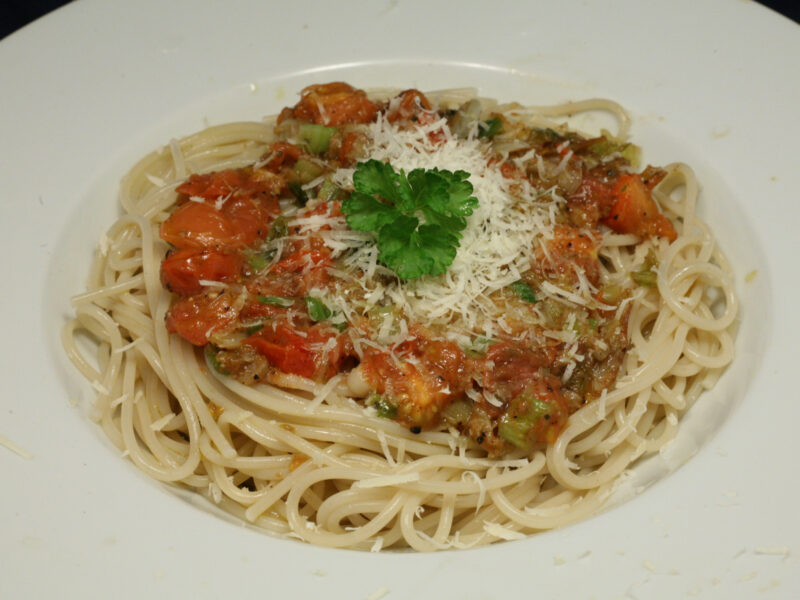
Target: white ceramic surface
[{"x": 90, "y": 88}]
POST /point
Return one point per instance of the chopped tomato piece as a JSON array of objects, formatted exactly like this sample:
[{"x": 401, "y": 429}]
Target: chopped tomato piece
[
  {"x": 251, "y": 217},
  {"x": 289, "y": 351},
  {"x": 333, "y": 104},
  {"x": 569, "y": 248},
  {"x": 200, "y": 225},
  {"x": 212, "y": 185},
  {"x": 511, "y": 171},
  {"x": 591, "y": 201},
  {"x": 635, "y": 211},
  {"x": 282, "y": 153},
  {"x": 196, "y": 317},
  {"x": 311, "y": 260},
  {"x": 423, "y": 388},
  {"x": 419, "y": 398},
  {"x": 183, "y": 270},
  {"x": 509, "y": 367},
  {"x": 285, "y": 350},
  {"x": 652, "y": 176},
  {"x": 352, "y": 147},
  {"x": 416, "y": 109},
  {"x": 414, "y": 106},
  {"x": 242, "y": 220}
]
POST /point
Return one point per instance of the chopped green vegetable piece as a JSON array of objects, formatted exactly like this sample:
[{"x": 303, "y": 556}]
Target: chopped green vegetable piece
[
  {"x": 276, "y": 301},
  {"x": 259, "y": 261},
  {"x": 490, "y": 127},
  {"x": 306, "y": 170},
  {"x": 385, "y": 410},
  {"x": 479, "y": 347},
  {"x": 316, "y": 137},
  {"x": 329, "y": 191},
  {"x": 606, "y": 146},
  {"x": 553, "y": 312},
  {"x": 515, "y": 428},
  {"x": 547, "y": 134},
  {"x": 592, "y": 324},
  {"x": 339, "y": 326},
  {"x": 211, "y": 358},
  {"x": 524, "y": 291},
  {"x": 298, "y": 192},
  {"x": 317, "y": 310},
  {"x": 645, "y": 277},
  {"x": 391, "y": 205},
  {"x": 633, "y": 154},
  {"x": 457, "y": 413},
  {"x": 278, "y": 229},
  {"x": 611, "y": 294},
  {"x": 383, "y": 405},
  {"x": 254, "y": 329}
]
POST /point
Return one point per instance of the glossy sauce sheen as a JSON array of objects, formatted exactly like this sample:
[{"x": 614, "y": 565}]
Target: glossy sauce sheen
[{"x": 247, "y": 285}]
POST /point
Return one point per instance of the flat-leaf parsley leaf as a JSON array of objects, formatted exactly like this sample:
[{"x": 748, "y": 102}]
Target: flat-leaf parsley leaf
[{"x": 417, "y": 218}]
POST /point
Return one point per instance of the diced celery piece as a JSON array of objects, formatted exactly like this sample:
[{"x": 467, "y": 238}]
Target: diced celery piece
[
  {"x": 306, "y": 170},
  {"x": 278, "y": 229},
  {"x": 645, "y": 277},
  {"x": 316, "y": 137},
  {"x": 329, "y": 191},
  {"x": 514, "y": 429}
]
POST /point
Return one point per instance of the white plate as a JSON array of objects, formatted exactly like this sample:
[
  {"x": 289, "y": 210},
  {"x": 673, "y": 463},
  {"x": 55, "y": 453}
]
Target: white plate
[{"x": 92, "y": 87}]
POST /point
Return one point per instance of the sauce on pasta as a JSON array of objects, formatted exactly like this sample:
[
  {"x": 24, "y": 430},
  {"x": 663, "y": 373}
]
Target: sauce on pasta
[{"x": 396, "y": 319}]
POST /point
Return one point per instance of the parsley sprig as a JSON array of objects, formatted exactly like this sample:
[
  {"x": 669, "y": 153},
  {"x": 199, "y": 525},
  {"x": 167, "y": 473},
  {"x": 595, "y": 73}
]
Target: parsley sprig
[{"x": 417, "y": 218}]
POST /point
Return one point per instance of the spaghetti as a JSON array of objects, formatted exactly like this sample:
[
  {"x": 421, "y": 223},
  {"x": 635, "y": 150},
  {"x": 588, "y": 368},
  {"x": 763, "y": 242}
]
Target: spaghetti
[{"x": 562, "y": 343}]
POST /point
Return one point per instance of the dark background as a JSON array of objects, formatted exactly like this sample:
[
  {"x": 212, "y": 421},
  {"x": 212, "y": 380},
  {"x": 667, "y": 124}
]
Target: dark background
[{"x": 17, "y": 13}]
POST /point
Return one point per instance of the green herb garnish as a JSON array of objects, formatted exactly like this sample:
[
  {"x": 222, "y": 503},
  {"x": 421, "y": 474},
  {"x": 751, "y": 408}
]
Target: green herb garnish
[
  {"x": 254, "y": 328},
  {"x": 276, "y": 301},
  {"x": 298, "y": 192},
  {"x": 490, "y": 127},
  {"x": 383, "y": 405},
  {"x": 211, "y": 357},
  {"x": 417, "y": 218},
  {"x": 317, "y": 310},
  {"x": 258, "y": 261},
  {"x": 524, "y": 291}
]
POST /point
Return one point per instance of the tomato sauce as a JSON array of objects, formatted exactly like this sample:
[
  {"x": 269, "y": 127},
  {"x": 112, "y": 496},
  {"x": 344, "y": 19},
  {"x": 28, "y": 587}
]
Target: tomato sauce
[{"x": 251, "y": 285}]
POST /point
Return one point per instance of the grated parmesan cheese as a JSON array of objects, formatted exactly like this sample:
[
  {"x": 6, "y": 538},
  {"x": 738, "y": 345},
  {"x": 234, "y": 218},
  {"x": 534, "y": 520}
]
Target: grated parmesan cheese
[
  {"x": 497, "y": 246},
  {"x": 162, "y": 422}
]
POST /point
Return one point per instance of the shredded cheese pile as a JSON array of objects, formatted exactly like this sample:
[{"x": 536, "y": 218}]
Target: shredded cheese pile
[{"x": 497, "y": 245}]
